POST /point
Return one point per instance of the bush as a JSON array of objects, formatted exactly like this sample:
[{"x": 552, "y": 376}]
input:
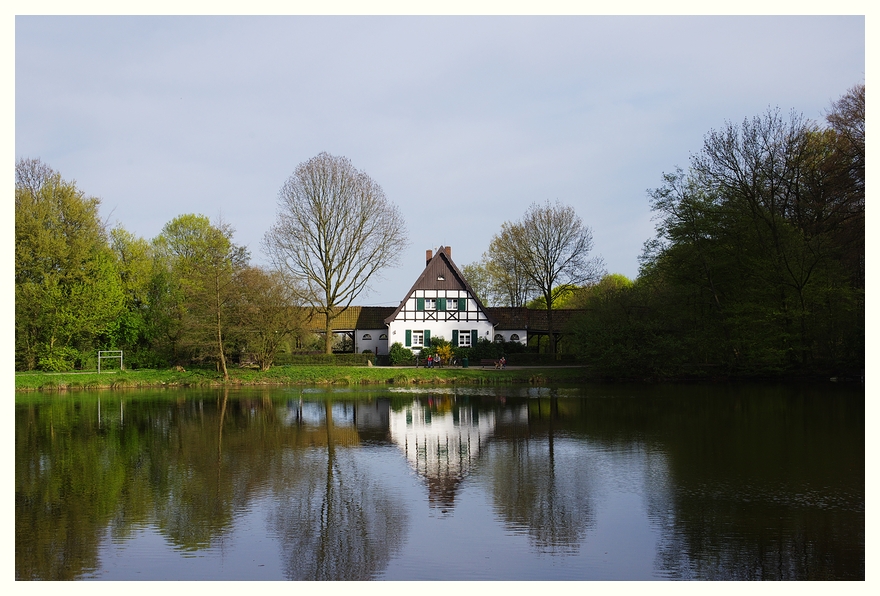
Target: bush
[
  {"x": 398, "y": 355},
  {"x": 57, "y": 359},
  {"x": 321, "y": 358}
]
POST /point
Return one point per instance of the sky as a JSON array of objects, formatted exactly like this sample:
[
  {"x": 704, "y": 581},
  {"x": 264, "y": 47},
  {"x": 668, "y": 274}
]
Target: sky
[{"x": 464, "y": 121}]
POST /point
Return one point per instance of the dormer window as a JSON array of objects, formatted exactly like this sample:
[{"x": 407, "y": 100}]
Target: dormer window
[{"x": 441, "y": 277}]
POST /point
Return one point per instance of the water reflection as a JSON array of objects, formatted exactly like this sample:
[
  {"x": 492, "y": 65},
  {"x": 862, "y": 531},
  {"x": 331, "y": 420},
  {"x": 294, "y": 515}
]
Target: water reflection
[
  {"x": 612, "y": 483},
  {"x": 441, "y": 439}
]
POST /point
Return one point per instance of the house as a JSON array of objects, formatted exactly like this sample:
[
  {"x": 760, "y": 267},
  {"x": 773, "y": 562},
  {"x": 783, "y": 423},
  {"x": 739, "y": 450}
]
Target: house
[
  {"x": 363, "y": 326},
  {"x": 441, "y": 304}
]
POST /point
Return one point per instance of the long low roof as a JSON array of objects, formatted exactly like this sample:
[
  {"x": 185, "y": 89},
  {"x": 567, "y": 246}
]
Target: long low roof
[{"x": 507, "y": 318}]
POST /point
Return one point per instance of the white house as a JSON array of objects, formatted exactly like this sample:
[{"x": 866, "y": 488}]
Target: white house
[{"x": 442, "y": 304}]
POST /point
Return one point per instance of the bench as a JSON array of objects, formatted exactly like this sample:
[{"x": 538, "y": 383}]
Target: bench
[{"x": 484, "y": 362}]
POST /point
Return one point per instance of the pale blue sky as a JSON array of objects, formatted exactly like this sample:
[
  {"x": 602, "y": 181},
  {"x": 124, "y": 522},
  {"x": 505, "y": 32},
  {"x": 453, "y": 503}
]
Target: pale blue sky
[{"x": 463, "y": 121}]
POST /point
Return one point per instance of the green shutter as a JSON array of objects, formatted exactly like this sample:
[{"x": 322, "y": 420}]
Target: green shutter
[
  {"x": 427, "y": 338},
  {"x": 420, "y": 304},
  {"x": 462, "y": 304},
  {"x": 455, "y": 338},
  {"x": 441, "y": 303},
  {"x": 473, "y": 338},
  {"x": 408, "y": 338}
]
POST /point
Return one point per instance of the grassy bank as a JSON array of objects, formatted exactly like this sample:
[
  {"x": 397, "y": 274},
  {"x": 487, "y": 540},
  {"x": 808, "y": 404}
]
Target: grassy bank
[{"x": 297, "y": 375}]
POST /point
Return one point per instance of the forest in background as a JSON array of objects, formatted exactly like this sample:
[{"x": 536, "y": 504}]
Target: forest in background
[{"x": 757, "y": 268}]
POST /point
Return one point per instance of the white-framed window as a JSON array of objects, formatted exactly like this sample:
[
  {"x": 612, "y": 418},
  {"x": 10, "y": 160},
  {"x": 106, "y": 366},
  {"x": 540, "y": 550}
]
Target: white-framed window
[
  {"x": 514, "y": 337},
  {"x": 499, "y": 338},
  {"x": 418, "y": 338},
  {"x": 464, "y": 338},
  {"x": 430, "y": 304},
  {"x": 383, "y": 336},
  {"x": 452, "y": 304},
  {"x": 367, "y": 337}
]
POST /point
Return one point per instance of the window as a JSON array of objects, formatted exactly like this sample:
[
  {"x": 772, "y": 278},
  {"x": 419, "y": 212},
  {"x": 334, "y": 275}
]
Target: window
[
  {"x": 514, "y": 337},
  {"x": 452, "y": 304},
  {"x": 418, "y": 338},
  {"x": 430, "y": 304},
  {"x": 367, "y": 337},
  {"x": 464, "y": 338},
  {"x": 499, "y": 338},
  {"x": 383, "y": 336}
]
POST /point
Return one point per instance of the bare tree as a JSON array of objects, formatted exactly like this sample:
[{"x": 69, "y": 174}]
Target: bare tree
[
  {"x": 550, "y": 246},
  {"x": 335, "y": 230},
  {"x": 510, "y": 280}
]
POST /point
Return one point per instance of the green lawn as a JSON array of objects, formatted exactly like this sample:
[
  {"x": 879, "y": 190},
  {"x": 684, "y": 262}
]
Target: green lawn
[{"x": 297, "y": 375}]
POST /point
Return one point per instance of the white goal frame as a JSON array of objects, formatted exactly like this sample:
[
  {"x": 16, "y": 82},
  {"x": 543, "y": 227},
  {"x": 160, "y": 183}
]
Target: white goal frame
[{"x": 109, "y": 354}]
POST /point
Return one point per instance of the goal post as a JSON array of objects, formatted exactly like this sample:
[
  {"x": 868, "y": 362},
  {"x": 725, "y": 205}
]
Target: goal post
[{"x": 111, "y": 354}]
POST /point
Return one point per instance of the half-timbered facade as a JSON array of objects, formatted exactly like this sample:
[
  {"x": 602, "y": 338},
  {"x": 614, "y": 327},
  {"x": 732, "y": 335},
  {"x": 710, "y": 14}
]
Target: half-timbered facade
[{"x": 441, "y": 304}]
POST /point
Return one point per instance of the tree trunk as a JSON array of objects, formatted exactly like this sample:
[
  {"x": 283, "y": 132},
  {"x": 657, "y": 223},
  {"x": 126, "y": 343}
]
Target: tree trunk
[
  {"x": 550, "y": 331},
  {"x": 328, "y": 334},
  {"x": 221, "y": 357}
]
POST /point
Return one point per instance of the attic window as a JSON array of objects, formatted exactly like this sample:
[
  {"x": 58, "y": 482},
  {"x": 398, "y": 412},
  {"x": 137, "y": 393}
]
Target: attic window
[{"x": 441, "y": 277}]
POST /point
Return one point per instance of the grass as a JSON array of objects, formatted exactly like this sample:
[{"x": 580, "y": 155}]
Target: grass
[{"x": 296, "y": 375}]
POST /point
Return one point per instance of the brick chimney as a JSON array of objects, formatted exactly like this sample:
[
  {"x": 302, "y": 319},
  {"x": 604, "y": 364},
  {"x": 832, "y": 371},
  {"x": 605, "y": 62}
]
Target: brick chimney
[{"x": 429, "y": 254}]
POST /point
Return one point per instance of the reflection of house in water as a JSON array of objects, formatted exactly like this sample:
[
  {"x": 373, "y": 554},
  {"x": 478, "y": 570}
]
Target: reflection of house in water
[{"x": 441, "y": 440}]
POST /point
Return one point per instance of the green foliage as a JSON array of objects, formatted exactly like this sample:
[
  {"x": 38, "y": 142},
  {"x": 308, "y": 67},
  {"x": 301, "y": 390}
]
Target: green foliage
[
  {"x": 57, "y": 359},
  {"x": 201, "y": 285},
  {"x": 756, "y": 268},
  {"x": 68, "y": 290},
  {"x": 400, "y": 356}
]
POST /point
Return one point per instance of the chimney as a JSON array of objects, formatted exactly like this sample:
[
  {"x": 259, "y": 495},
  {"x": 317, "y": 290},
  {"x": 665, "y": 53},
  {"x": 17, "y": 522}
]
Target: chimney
[
  {"x": 429, "y": 254},
  {"x": 449, "y": 252}
]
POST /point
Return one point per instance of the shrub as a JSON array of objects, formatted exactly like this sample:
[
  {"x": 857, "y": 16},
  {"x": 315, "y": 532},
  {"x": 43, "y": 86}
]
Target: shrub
[
  {"x": 57, "y": 359},
  {"x": 398, "y": 355}
]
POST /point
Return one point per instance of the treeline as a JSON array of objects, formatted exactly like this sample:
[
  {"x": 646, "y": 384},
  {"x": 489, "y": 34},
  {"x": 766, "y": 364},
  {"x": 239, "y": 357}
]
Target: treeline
[
  {"x": 757, "y": 268},
  {"x": 758, "y": 265},
  {"x": 188, "y": 296}
]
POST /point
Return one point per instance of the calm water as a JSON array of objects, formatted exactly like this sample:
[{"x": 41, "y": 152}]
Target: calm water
[{"x": 586, "y": 483}]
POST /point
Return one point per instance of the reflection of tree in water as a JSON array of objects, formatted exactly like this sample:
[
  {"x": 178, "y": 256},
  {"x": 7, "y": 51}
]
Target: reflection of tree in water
[
  {"x": 333, "y": 521},
  {"x": 756, "y": 489},
  {"x": 542, "y": 486},
  {"x": 212, "y": 467}
]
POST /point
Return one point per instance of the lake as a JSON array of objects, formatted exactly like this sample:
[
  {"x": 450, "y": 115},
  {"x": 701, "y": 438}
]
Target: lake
[{"x": 595, "y": 482}]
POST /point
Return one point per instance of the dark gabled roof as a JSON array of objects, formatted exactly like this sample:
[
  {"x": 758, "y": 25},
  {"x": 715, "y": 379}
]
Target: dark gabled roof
[
  {"x": 440, "y": 274},
  {"x": 354, "y": 317}
]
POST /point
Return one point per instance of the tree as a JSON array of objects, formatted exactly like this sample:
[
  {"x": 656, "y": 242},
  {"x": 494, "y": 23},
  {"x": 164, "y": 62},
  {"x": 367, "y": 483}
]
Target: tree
[
  {"x": 758, "y": 262},
  {"x": 334, "y": 232},
  {"x": 510, "y": 280},
  {"x": 480, "y": 280},
  {"x": 204, "y": 264},
  {"x": 847, "y": 120},
  {"x": 549, "y": 246},
  {"x": 266, "y": 314},
  {"x": 132, "y": 330},
  {"x": 67, "y": 288},
  {"x": 776, "y": 185}
]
